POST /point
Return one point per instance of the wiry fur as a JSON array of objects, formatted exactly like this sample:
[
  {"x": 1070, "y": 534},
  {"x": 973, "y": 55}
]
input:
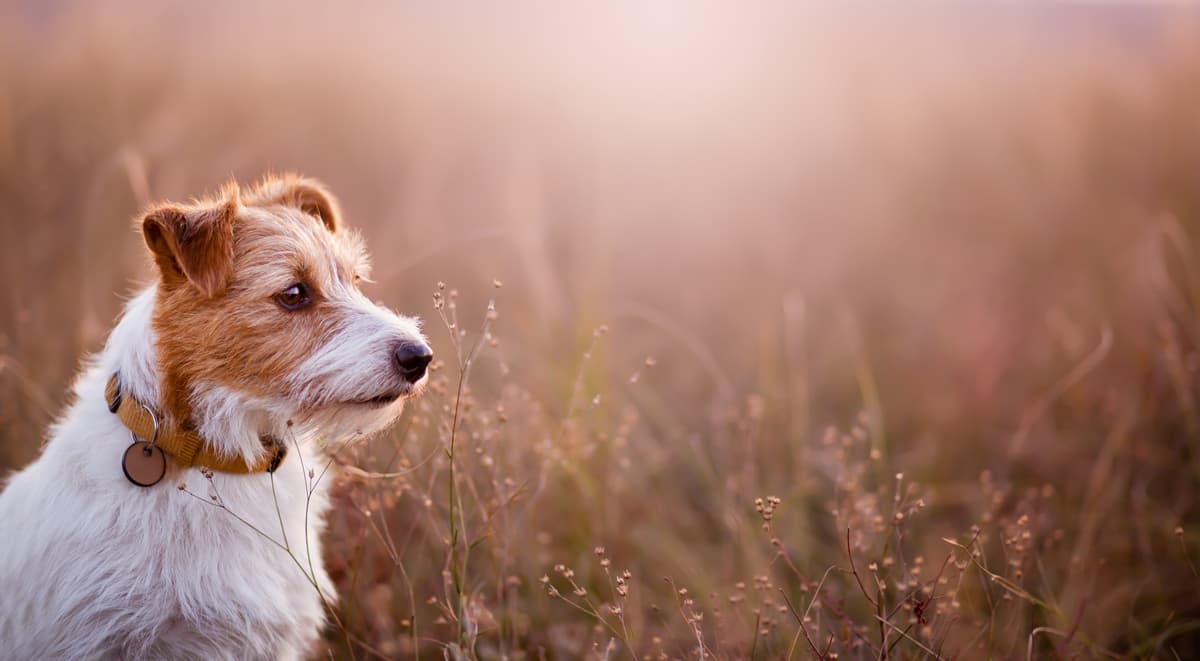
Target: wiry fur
[{"x": 92, "y": 566}]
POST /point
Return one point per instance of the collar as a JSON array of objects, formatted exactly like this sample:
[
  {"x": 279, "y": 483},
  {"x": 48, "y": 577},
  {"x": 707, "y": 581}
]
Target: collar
[{"x": 185, "y": 446}]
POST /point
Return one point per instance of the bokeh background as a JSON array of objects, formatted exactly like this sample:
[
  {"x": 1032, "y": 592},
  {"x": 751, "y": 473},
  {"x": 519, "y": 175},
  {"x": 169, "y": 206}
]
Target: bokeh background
[{"x": 964, "y": 237}]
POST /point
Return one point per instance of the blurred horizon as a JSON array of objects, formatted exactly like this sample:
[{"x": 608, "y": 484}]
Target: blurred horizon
[{"x": 890, "y": 163}]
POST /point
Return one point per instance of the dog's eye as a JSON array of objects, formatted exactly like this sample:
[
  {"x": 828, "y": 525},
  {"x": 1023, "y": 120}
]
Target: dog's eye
[{"x": 294, "y": 297}]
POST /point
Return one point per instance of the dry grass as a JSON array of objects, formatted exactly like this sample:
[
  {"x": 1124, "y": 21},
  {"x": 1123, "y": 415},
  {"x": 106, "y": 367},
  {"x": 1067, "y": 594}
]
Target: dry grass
[{"x": 821, "y": 334}]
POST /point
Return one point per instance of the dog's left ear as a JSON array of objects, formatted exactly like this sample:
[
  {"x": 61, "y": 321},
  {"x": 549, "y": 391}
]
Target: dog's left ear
[
  {"x": 307, "y": 195},
  {"x": 192, "y": 245}
]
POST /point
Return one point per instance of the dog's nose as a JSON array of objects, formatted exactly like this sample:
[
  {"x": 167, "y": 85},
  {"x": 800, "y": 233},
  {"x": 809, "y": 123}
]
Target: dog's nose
[{"x": 413, "y": 358}]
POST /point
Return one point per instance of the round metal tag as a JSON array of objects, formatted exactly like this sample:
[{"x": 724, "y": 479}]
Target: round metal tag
[{"x": 144, "y": 464}]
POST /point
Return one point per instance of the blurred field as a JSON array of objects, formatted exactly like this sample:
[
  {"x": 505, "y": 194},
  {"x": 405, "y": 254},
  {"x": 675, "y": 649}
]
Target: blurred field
[{"x": 745, "y": 253}]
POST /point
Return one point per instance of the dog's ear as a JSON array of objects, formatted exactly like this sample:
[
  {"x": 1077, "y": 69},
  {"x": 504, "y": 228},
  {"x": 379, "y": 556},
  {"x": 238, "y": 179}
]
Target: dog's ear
[
  {"x": 192, "y": 245},
  {"x": 307, "y": 195}
]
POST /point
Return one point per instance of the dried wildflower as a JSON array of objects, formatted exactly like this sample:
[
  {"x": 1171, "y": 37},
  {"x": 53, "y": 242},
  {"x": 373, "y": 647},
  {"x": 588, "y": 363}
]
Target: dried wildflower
[{"x": 766, "y": 508}]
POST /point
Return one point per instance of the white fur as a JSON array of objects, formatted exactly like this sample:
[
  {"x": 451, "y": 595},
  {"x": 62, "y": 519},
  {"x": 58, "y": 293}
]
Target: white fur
[
  {"x": 92, "y": 566},
  {"x": 336, "y": 371}
]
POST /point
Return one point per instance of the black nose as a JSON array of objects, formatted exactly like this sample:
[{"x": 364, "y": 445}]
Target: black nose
[{"x": 413, "y": 358}]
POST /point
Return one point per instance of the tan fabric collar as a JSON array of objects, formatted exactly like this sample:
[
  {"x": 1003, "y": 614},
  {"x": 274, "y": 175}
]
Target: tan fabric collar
[{"x": 185, "y": 446}]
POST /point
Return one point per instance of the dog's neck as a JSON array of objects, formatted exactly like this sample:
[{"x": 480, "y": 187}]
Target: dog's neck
[{"x": 230, "y": 423}]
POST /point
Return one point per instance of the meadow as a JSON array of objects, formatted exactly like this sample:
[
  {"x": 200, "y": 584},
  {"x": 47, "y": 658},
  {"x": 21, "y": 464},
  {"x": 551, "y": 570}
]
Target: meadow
[{"x": 761, "y": 333}]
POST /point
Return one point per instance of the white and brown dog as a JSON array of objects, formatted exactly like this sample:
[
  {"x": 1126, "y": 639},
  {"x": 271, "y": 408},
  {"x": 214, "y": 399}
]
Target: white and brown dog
[{"x": 176, "y": 510}]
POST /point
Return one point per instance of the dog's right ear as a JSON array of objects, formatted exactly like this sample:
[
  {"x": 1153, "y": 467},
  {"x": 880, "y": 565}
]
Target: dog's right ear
[
  {"x": 192, "y": 245},
  {"x": 303, "y": 193}
]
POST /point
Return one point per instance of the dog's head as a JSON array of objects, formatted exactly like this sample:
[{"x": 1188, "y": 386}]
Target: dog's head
[{"x": 259, "y": 306}]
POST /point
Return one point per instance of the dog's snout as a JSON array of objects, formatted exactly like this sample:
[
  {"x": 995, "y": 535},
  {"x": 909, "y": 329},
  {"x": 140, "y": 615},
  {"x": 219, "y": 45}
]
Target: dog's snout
[{"x": 412, "y": 358}]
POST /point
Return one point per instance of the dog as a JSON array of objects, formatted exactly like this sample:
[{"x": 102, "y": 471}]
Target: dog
[{"x": 176, "y": 509}]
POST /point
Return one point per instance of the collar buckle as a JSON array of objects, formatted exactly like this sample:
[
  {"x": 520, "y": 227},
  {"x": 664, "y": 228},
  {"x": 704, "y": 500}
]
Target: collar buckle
[{"x": 115, "y": 402}]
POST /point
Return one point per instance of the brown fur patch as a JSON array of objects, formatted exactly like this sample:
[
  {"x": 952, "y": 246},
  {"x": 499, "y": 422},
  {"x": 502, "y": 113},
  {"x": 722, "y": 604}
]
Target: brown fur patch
[
  {"x": 307, "y": 195},
  {"x": 192, "y": 244},
  {"x": 238, "y": 336}
]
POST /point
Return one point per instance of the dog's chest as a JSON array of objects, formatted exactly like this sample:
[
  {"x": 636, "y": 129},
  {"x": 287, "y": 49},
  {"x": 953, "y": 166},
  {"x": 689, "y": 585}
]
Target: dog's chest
[
  {"x": 235, "y": 563},
  {"x": 222, "y": 569}
]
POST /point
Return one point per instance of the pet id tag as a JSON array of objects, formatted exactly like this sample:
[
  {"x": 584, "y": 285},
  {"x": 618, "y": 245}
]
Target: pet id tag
[{"x": 144, "y": 464}]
